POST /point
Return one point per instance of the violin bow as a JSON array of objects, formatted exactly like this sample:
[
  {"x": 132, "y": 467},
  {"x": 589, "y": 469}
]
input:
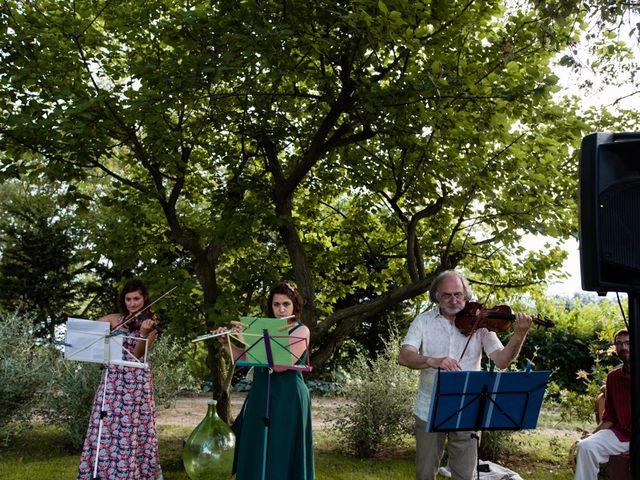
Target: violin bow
[
  {"x": 466, "y": 345},
  {"x": 128, "y": 319},
  {"x": 493, "y": 286}
]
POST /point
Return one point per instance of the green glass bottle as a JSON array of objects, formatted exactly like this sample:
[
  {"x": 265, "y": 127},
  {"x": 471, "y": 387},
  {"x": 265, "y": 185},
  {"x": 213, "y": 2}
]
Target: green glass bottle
[{"x": 208, "y": 452}]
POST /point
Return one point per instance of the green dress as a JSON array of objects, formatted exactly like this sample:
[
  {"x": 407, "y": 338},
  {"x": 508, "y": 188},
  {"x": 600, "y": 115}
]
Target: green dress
[{"x": 290, "y": 440}]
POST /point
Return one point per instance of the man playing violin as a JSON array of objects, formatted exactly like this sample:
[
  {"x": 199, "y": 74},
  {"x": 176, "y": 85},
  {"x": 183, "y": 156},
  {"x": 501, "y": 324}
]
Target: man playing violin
[{"x": 433, "y": 342}]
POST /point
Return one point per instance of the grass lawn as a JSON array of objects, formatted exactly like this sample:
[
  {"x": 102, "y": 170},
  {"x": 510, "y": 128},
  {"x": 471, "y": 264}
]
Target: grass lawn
[{"x": 537, "y": 455}]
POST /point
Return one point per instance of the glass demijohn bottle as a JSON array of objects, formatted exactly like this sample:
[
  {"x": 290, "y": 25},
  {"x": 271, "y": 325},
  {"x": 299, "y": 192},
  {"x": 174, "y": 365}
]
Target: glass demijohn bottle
[{"x": 208, "y": 452}]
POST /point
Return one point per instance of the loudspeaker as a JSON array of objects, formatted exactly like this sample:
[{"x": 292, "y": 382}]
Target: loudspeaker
[{"x": 609, "y": 212}]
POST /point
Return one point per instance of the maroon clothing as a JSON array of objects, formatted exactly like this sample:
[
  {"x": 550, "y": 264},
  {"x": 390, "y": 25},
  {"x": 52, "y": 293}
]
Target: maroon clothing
[{"x": 617, "y": 404}]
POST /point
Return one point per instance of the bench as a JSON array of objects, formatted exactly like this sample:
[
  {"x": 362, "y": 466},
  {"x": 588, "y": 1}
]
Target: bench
[{"x": 618, "y": 467}]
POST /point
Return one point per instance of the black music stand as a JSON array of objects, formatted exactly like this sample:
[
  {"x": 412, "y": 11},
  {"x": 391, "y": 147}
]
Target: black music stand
[{"x": 473, "y": 401}]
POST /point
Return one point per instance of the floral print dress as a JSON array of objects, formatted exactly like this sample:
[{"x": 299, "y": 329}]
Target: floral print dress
[{"x": 128, "y": 441}]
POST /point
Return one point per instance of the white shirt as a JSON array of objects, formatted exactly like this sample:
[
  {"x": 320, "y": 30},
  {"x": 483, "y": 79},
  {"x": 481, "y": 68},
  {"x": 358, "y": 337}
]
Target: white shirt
[{"x": 435, "y": 336}]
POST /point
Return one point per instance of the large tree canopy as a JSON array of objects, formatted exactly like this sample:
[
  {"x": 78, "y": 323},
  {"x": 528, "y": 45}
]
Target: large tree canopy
[{"x": 356, "y": 148}]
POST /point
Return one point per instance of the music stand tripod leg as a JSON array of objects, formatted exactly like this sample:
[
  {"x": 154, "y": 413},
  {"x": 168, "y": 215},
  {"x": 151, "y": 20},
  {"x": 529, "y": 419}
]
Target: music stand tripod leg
[
  {"x": 103, "y": 413},
  {"x": 484, "y": 394},
  {"x": 267, "y": 408}
]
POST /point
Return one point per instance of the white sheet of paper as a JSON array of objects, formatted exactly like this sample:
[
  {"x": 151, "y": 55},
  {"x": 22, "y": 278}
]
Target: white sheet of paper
[{"x": 86, "y": 341}]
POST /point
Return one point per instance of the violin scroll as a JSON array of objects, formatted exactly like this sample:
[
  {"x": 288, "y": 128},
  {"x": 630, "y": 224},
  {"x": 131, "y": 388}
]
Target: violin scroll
[{"x": 544, "y": 322}]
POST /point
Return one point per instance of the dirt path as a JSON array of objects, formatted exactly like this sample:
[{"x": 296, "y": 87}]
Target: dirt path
[{"x": 190, "y": 409}]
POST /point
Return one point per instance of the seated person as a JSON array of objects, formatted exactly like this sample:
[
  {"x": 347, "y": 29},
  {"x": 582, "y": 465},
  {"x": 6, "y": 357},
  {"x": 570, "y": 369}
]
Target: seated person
[{"x": 612, "y": 435}]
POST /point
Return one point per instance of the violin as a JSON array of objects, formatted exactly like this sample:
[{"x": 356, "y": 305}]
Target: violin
[
  {"x": 136, "y": 321},
  {"x": 498, "y": 319}
]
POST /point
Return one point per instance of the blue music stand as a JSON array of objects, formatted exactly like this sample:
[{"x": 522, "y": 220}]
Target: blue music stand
[{"x": 480, "y": 400}]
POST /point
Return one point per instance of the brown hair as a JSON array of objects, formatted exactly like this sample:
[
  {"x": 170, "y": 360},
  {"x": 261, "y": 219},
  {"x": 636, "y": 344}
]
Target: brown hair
[
  {"x": 283, "y": 288},
  {"x": 133, "y": 285}
]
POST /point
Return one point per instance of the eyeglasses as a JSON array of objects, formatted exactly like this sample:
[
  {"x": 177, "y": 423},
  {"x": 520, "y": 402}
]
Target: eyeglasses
[
  {"x": 448, "y": 296},
  {"x": 620, "y": 343}
]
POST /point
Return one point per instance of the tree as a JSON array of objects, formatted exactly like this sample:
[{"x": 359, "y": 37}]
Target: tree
[
  {"x": 607, "y": 55},
  {"x": 40, "y": 265},
  {"x": 359, "y": 147}
]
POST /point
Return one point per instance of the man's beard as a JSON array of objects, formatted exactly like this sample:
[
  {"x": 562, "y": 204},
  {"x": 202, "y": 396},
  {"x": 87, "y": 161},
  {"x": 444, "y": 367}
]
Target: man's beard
[{"x": 625, "y": 357}]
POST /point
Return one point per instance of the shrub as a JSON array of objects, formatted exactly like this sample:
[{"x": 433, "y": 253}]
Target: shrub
[
  {"x": 562, "y": 349},
  {"x": 23, "y": 370},
  {"x": 72, "y": 387},
  {"x": 379, "y": 397},
  {"x": 171, "y": 372},
  {"x": 68, "y": 395},
  {"x": 569, "y": 346},
  {"x": 494, "y": 444},
  {"x": 579, "y": 402},
  {"x": 37, "y": 383}
]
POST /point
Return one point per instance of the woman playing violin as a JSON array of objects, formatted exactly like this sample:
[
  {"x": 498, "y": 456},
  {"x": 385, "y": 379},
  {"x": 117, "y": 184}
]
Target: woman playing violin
[
  {"x": 128, "y": 441},
  {"x": 434, "y": 342}
]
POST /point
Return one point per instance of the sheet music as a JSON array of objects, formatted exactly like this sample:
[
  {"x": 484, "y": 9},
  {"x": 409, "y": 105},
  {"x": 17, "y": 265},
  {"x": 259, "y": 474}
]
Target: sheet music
[
  {"x": 256, "y": 352},
  {"x": 85, "y": 340},
  {"x": 91, "y": 341}
]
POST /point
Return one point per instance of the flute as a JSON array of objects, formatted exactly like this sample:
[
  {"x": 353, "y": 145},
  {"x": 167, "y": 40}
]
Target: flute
[
  {"x": 212, "y": 335},
  {"x": 229, "y": 331}
]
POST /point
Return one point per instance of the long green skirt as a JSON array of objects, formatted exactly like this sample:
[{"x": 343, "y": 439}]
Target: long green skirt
[{"x": 289, "y": 454}]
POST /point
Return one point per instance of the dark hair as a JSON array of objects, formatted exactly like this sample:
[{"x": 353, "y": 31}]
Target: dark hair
[
  {"x": 284, "y": 288},
  {"x": 133, "y": 285},
  {"x": 433, "y": 289}
]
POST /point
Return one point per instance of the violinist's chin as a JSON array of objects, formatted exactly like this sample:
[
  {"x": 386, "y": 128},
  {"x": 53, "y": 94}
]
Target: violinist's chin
[{"x": 451, "y": 309}]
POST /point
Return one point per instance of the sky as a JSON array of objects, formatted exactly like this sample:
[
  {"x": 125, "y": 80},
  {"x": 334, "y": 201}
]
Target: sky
[
  {"x": 572, "y": 266},
  {"x": 604, "y": 97},
  {"x": 572, "y": 285}
]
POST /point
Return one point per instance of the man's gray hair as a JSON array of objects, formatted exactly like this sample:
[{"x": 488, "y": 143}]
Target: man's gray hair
[{"x": 433, "y": 289}]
